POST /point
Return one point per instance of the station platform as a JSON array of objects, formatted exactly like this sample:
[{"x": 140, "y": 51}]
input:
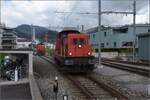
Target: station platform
[{"x": 15, "y": 91}]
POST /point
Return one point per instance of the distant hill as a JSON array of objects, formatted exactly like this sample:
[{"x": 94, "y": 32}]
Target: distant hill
[{"x": 25, "y": 31}]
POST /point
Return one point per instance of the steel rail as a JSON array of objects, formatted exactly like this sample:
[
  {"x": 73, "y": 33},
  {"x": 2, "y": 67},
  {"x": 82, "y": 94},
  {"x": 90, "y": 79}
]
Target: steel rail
[
  {"x": 114, "y": 93},
  {"x": 88, "y": 94},
  {"x": 144, "y": 64},
  {"x": 132, "y": 68}
]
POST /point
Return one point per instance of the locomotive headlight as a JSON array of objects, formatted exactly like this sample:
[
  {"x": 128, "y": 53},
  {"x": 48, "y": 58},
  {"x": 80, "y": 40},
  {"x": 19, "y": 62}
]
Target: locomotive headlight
[
  {"x": 70, "y": 53},
  {"x": 89, "y": 53},
  {"x": 80, "y": 46}
]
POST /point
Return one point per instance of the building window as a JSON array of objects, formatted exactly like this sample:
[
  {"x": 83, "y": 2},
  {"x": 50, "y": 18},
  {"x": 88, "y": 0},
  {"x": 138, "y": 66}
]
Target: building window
[
  {"x": 127, "y": 43},
  {"x": 105, "y": 34},
  {"x": 115, "y": 44},
  {"x": 93, "y": 35},
  {"x": 148, "y": 30},
  {"x": 120, "y": 30},
  {"x": 102, "y": 45},
  {"x": 107, "y": 43}
]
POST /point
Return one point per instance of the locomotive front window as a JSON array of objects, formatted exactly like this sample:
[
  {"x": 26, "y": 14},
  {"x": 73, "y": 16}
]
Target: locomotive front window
[
  {"x": 81, "y": 41},
  {"x": 75, "y": 41},
  {"x": 78, "y": 41}
]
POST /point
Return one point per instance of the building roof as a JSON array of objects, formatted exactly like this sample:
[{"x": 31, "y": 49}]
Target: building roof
[
  {"x": 69, "y": 28},
  {"x": 95, "y": 29},
  {"x": 137, "y": 25}
]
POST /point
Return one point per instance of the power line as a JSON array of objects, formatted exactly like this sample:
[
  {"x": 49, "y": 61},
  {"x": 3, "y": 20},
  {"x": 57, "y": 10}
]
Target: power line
[
  {"x": 76, "y": 12},
  {"x": 92, "y": 13},
  {"x": 70, "y": 13}
]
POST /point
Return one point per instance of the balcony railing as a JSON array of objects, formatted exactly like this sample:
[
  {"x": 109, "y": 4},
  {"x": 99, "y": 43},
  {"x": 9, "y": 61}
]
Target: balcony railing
[
  {"x": 8, "y": 38},
  {"x": 8, "y": 44}
]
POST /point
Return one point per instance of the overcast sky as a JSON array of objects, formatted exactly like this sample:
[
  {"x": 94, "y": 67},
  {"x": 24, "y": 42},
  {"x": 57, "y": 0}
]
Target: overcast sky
[{"x": 43, "y": 13}]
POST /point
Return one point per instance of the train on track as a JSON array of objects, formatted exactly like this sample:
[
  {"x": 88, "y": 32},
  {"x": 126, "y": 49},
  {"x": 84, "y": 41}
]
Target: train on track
[
  {"x": 40, "y": 49},
  {"x": 73, "y": 52}
]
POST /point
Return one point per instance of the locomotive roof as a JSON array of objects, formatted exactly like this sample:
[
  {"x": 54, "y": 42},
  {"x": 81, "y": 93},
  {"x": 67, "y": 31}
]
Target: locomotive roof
[{"x": 71, "y": 31}]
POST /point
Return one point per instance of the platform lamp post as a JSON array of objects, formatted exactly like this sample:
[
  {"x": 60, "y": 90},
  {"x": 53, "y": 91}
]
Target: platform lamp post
[{"x": 99, "y": 32}]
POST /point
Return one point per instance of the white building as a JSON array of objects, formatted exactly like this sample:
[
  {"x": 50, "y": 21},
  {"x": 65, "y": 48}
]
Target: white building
[
  {"x": 23, "y": 43},
  {"x": 116, "y": 37},
  {"x": 1, "y": 31},
  {"x": 8, "y": 38},
  {"x": 0, "y": 39},
  {"x": 50, "y": 45}
]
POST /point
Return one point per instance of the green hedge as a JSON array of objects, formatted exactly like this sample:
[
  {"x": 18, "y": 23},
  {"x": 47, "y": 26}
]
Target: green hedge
[
  {"x": 2, "y": 56},
  {"x": 116, "y": 49},
  {"x": 49, "y": 51}
]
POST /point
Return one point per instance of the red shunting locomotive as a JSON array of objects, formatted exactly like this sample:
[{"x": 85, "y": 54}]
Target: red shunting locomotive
[
  {"x": 73, "y": 51},
  {"x": 40, "y": 49}
]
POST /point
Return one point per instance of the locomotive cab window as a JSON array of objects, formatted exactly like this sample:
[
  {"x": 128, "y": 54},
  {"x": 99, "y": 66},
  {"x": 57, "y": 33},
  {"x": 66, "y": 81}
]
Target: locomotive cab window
[
  {"x": 78, "y": 41},
  {"x": 75, "y": 41},
  {"x": 81, "y": 41}
]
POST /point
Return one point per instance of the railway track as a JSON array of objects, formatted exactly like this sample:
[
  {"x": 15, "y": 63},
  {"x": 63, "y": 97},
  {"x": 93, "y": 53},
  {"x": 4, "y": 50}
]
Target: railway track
[
  {"x": 95, "y": 90},
  {"x": 128, "y": 62},
  {"x": 141, "y": 69},
  {"x": 91, "y": 88}
]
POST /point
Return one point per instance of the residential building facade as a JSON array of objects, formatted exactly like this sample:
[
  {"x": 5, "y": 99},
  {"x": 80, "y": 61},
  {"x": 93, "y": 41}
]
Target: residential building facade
[
  {"x": 116, "y": 37},
  {"x": 8, "y": 38},
  {"x": 23, "y": 43}
]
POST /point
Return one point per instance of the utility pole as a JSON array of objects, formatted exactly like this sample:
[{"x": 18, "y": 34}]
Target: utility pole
[
  {"x": 82, "y": 28},
  {"x": 33, "y": 33},
  {"x": 99, "y": 32},
  {"x": 134, "y": 30},
  {"x": 46, "y": 37},
  {"x": 78, "y": 27},
  {"x": 149, "y": 11},
  {"x": 0, "y": 11}
]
